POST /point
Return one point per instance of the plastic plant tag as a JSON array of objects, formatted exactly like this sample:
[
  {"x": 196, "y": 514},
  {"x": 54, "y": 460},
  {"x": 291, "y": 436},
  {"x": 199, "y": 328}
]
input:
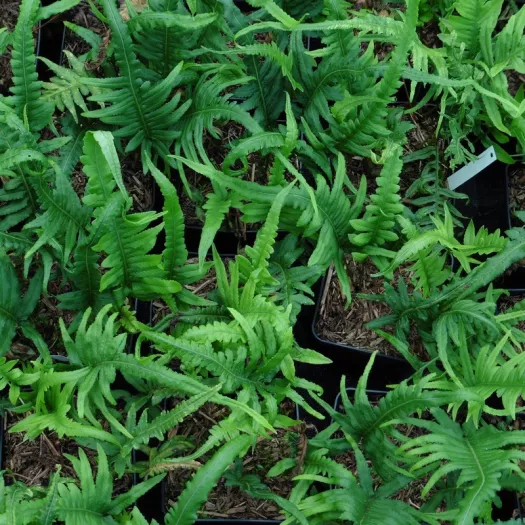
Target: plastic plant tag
[{"x": 472, "y": 169}]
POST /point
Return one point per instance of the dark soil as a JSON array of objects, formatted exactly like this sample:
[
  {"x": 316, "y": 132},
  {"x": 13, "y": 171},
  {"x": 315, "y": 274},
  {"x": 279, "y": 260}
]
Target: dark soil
[
  {"x": 357, "y": 166},
  {"x": 34, "y": 461},
  {"x": 515, "y": 81},
  {"x": 207, "y": 284},
  {"x": 516, "y": 192},
  {"x": 231, "y": 502},
  {"x": 139, "y": 186},
  {"x": 347, "y": 326},
  {"x": 429, "y": 34},
  {"x": 424, "y": 132}
]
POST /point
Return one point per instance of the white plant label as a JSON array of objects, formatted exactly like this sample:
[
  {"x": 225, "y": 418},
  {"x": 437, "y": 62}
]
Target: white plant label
[{"x": 472, "y": 169}]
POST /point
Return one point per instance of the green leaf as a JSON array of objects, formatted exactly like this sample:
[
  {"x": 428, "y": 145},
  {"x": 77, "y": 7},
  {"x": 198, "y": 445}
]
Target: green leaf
[
  {"x": 196, "y": 492},
  {"x": 281, "y": 467}
]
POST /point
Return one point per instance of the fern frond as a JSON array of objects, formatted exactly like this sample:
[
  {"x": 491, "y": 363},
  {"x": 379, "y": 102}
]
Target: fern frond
[
  {"x": 26, "y": 91},
  {"x": 67, "y": 89},
  {"x": 209, "y": 105},
  {"x": 328, "y": 222},
  {"x": 271, "y": 78},
  {"x": 294, "y": 280},
  {"x": 360, "y": 127},
  {"x": 376, "y": 226},
  {"x": 85, "y": 276},
  {"x": 366, "y": 422},
  {"x": 474, "y": 20},
  {"x": 358, "y": 502},
  {"x": 430, "y": 271},
  {"x": 480, "y": 455},
  {"x": 175, "y": 252},
  {"x": 259, "y": 254},
  {"x": 145, "y": 114},
  {"x": 322, "y": 84},
  {"x": 92, "y": 503},
  {"x": 88, "y": 36},
  {"x": 62, "y": 216},
  {"x": 71, "y": 152},
  {"x": 227, "y": 366},
  {"x": 127, "y": 242},
  {"x": 216, "y": 208},
  {"x": 167, "y": 34},
  {"x": 485, "y": 375},
  {"x": 166, "y": 421},
  {"x": 442, "y": 235}
]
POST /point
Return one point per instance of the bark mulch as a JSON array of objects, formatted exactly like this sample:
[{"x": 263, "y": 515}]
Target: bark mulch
[{"x": 337, "y": 324}]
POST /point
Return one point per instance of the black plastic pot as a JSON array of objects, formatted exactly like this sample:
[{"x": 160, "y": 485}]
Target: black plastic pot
[
  {"x": 51, "y": 43},
  {"x": 226, "y": 242},
  {"x": 352, "y": 360}
]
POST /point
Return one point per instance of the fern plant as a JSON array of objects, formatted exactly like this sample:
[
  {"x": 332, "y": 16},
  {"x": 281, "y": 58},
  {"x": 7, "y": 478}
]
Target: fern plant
[
  {"x": 328, "y": 215},
  {"x": 140, "y": 112},
  {"x": 246, "y": 342},
  {"x": 456, "y": 307},
  {"x": 481, "y": 456},
  {"x": 475, "y": 84}
]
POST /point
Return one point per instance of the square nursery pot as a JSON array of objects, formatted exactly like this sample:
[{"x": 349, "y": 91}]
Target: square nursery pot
[
  {"x": 346, "y": 361},
  {"x": 351, "y": 360},
  {"x": 513, "y": 279},
  {"x": 231, "y": 520}
]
